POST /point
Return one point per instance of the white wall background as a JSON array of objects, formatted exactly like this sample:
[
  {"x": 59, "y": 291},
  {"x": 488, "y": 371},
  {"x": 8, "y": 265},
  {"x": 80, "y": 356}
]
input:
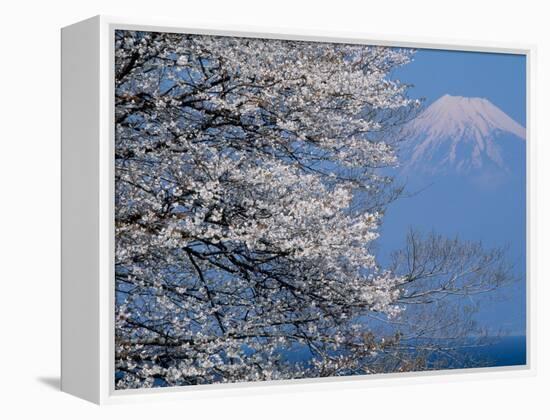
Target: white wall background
[{"x": 29, "y": 205}]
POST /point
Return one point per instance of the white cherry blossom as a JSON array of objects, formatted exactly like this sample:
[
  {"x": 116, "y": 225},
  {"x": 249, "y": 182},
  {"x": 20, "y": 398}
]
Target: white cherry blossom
[{"x": 247, "y": 199}]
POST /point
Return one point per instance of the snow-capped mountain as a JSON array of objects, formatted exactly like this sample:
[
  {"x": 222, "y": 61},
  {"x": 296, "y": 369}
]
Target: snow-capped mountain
[{"x": 463, "y": 135}]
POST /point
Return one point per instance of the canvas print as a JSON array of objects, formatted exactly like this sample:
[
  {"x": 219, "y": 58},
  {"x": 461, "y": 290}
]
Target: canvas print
[{"x": 288, "y": 209}]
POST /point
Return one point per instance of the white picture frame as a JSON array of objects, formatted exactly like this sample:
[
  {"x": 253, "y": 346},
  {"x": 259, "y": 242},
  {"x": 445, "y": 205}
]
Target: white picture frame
[{"x": 88, "y": 214}]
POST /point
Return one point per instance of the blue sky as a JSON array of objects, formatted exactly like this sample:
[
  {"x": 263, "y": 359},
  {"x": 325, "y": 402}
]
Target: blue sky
[
  {"x": 501, "y": 78},
  {"x": 497, "y": 218}
]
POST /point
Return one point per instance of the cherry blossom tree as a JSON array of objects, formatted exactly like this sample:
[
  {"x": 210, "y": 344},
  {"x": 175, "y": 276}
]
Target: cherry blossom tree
[{"x": 249, "y": 193}]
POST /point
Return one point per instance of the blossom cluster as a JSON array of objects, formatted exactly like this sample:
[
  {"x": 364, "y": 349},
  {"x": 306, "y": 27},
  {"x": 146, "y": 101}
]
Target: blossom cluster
[{"x": 239, "y": 163}]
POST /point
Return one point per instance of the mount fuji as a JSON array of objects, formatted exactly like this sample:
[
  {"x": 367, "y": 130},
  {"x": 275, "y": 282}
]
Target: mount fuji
[
  {"x": 463, "y": 170},
  {"x": 463, "y": 136}
]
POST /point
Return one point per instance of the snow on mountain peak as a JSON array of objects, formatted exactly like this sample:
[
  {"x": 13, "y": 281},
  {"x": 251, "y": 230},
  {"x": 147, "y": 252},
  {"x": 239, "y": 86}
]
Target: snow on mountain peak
[
  {"x": 457, "y": 115},
  {"x": 463, "y": 134}
]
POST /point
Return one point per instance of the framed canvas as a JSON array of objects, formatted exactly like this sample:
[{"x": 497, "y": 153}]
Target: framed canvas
[{"x": 244, "y": 208}]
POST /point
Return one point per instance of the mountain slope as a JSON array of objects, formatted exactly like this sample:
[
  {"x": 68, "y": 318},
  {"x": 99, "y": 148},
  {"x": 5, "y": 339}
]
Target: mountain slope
[{"x": 463, "y": 135}]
